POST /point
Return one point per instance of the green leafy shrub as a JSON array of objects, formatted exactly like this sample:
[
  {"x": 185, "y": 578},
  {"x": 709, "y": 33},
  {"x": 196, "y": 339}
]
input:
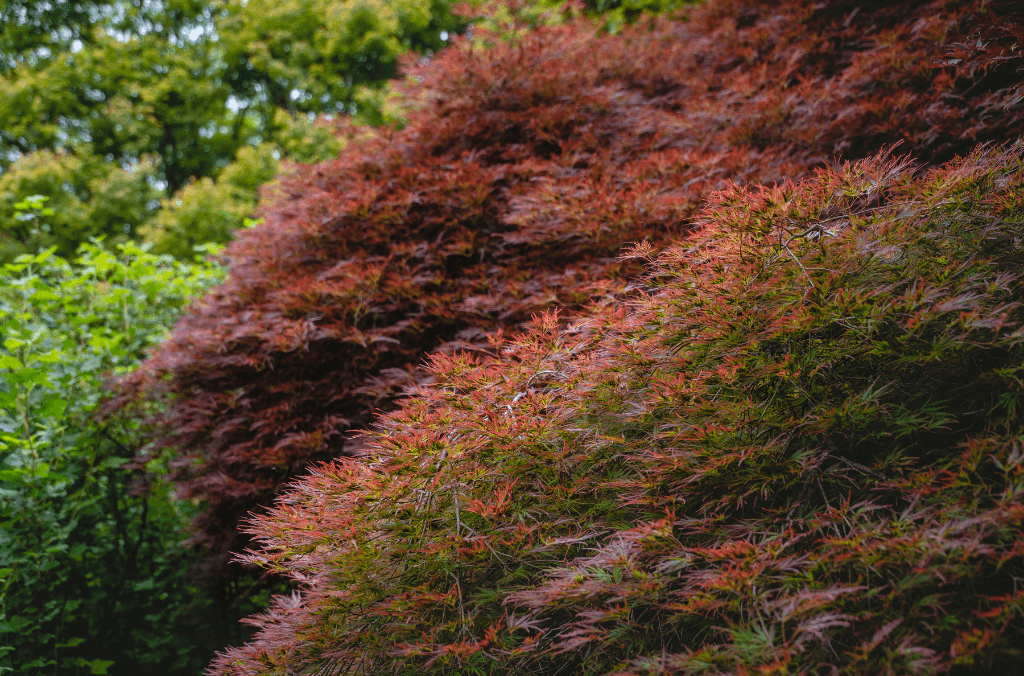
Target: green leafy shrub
[
  {"x": 797, "y": 449},
  {"x": 92, "y": 574}
]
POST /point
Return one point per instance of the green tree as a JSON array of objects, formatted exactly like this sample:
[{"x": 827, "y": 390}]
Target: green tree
[
  {"x": 160, "y": 95},
  {"x": 104, "y": 108},
  {"x": 210, "y": 209},
  {"x": 122, "y": 80},
  {"x": 318, "y": 55},
  {"x": 86, "y": 198}
]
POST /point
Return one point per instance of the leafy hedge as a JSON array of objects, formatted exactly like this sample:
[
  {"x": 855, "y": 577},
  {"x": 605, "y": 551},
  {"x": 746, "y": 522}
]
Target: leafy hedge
[
  {"x": 93, "y": 579},
  {"x": 524, "y": 169},
  {"x": 798, "y": 449}
]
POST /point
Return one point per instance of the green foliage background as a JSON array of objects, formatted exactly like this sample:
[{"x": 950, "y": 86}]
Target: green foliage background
[
  {"x": 135, "y": 117},
  {"x": 93, "y": 573}
]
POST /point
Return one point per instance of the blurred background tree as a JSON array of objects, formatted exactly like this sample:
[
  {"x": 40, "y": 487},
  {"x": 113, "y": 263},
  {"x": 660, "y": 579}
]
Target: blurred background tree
[{"x": 139, "y": 115}]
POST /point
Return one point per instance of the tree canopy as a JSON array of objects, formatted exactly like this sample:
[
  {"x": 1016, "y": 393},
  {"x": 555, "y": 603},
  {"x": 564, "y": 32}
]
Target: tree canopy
[{"x": 130, "y": 104}]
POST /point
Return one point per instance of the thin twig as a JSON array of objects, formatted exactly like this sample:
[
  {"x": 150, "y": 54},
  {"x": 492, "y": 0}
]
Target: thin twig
[{"x": 862, "y": 468}]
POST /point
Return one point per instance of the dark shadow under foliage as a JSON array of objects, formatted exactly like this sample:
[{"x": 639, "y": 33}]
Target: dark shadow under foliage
[{"x": 525, "y": 169}]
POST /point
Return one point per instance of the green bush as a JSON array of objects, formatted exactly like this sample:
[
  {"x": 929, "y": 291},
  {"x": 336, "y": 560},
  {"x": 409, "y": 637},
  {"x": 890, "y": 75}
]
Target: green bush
[{"x": 93, "y": 580}]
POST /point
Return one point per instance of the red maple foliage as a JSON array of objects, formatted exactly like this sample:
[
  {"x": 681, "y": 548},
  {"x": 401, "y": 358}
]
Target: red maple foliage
[
  {"x": 800, "y": 451},
  {"x": 524, "y": 170}
]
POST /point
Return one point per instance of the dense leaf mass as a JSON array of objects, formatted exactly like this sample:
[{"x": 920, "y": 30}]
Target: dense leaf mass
[
  {"x": 800, "y": 450},
  {"x": 525, "y": 168},
  {"x": 92, "y": 576}
]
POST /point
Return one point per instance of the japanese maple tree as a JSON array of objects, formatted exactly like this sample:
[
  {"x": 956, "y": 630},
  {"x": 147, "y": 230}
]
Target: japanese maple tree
[{"x": 525, "y": 169}]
